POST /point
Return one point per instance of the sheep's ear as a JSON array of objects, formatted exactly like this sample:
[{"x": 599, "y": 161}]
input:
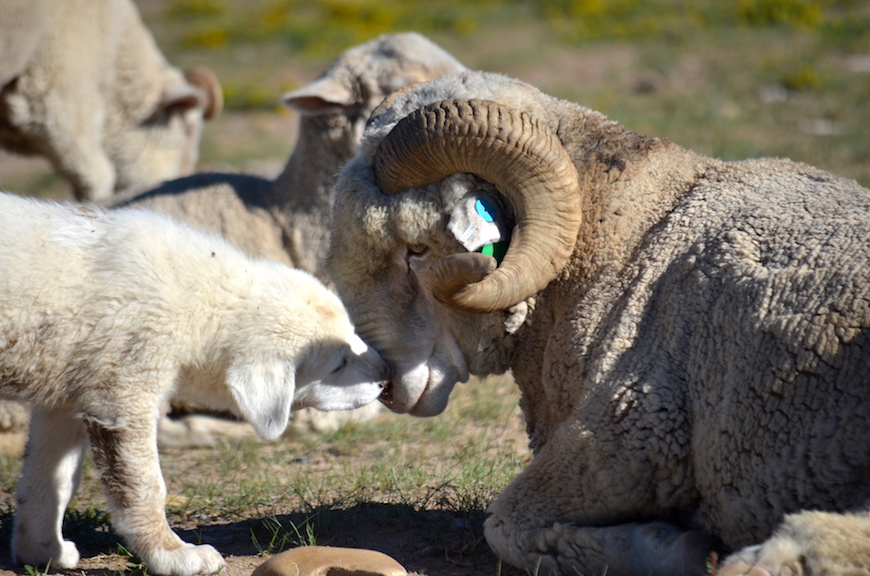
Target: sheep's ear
[
  {"x": 200, "y": 88},
  {"x": 264, "y": 394},
  {"x": 182, "y": 97},
  {"x": 207, "y": 81},
  {"x": 324, "y": 96}
]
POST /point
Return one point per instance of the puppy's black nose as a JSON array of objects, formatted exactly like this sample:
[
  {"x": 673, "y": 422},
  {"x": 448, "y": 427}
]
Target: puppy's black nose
[{"x": 386, "y": 396}]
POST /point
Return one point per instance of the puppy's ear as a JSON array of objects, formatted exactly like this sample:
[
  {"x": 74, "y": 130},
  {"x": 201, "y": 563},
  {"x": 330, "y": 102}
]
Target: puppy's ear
[{"x": 264, "y": 394}]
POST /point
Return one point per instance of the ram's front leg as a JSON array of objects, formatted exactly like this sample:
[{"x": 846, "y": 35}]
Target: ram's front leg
[
  {"x": 650, "y": 549},
  {"x": 126, "y": 455},
  {"x": 808, "y": 544},
  {"x": 561, "y": 516},
  {"x": 50, "y": 478}
]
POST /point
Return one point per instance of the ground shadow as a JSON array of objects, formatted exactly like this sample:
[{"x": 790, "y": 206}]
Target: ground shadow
[{"x": 434, "y": 542}]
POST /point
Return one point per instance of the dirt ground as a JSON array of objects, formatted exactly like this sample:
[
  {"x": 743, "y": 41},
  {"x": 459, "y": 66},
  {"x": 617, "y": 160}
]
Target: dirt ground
[{"x": 359, "y": 527}]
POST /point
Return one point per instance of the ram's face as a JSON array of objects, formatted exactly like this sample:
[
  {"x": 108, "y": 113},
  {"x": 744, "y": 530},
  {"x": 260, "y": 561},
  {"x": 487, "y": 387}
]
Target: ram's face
[
  {"x": 418, "y": 292},
  {"x": 379, "y": 264}
]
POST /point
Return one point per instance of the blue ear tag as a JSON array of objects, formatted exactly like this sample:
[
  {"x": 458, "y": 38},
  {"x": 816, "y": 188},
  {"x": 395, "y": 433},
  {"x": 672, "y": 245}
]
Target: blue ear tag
[
  {"x": 496, "y": 249},
  {"x": 485, "y": 209}
]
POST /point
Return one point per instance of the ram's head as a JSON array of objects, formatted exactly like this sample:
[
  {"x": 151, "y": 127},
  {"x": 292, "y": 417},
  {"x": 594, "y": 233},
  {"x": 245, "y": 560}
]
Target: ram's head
[{"x": 434, "y": 306}]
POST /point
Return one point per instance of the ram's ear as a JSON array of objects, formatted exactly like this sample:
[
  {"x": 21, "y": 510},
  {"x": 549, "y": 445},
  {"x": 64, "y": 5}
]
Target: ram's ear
[{"x": 264, "y": 394}]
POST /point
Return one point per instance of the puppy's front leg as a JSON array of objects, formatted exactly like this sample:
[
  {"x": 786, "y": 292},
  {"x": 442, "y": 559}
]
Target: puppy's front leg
[
  {"x": 50, "y": 478},
  {"x": 126, "y": 454}
]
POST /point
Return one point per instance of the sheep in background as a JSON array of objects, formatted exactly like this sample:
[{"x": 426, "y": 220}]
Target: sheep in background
[
  {"x": 105, "y": 313},
  {"x": 83, "y": 84},
  {"x": 289, "y": 220},
  {"x": 689, "y": 335}
]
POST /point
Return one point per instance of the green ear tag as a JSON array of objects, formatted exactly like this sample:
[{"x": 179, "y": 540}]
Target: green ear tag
[{"x": 497, "y": 250}]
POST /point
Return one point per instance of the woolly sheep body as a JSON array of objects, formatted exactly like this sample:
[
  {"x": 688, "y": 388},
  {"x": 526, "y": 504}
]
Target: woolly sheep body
[
  {"x": 105, "y": 313},
  {"x": 696, "y": 371},
  {"x": 83, "y": 84}
]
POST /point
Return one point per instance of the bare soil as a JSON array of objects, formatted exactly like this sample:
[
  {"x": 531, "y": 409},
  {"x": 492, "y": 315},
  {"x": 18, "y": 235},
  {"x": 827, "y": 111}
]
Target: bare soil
[{"x": 374, "y": 526}]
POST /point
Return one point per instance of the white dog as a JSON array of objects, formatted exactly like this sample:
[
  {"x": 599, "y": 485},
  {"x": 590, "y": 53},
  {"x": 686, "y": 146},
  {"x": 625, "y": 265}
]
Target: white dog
[{"x": 104, "y": 314}]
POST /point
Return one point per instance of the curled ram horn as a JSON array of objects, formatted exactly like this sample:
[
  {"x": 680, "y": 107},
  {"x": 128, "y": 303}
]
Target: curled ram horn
[{"x": 524, "y": 160}]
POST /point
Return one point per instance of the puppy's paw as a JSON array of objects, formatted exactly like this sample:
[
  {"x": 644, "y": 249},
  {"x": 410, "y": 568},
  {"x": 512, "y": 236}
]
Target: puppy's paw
[
  {"x": 63, "y": 554},
  {"x": 187, "y": 560},
  {"x": 68, "y": 557}
]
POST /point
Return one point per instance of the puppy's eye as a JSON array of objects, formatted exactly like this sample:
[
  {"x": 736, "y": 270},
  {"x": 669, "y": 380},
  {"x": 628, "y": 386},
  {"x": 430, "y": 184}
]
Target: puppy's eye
[
  {"x": 340, "y": 366},
  {"x": 417, "y": 249}
]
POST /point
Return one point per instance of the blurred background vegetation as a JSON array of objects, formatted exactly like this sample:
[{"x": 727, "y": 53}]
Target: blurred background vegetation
[
  {"x": 726, "y": 78},
  {"x": 318, "y": 26}
]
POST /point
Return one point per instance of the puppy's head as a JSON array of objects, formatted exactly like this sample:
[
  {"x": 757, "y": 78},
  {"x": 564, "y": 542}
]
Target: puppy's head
[
  {"x": 339, "y": 375},
  {"x": 300, "y": 351}
]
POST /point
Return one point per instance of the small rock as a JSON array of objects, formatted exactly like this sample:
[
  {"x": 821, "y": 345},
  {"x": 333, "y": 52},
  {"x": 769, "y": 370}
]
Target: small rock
[{"x": 330, "y": 561}]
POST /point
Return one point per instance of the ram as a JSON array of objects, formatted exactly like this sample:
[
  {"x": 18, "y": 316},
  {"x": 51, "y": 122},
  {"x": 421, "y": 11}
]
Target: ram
[
  {"x": 288, "y": 219},
  {"x": 83, "y": 84},
  {"x": 105, "y": 313},
  {"x": 689, "y": 336}
]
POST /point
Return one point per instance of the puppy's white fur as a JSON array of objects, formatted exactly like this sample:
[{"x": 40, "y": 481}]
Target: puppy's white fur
[{"x": 104, "y": 314}]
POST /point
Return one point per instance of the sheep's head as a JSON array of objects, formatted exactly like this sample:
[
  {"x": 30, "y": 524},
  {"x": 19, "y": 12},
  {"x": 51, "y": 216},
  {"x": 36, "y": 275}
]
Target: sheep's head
[
  {"x": 164, "y": 143},
  {"x": 360, "y": 78},
  {"x": 416, "y": 293}
]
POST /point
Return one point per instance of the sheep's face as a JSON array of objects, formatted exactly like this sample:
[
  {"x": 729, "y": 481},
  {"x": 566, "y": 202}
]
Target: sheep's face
[
  {"x": 382, "y": 251},
  {"x": 163, "y": 143},
  {"x": 164, "y": 147},
  {"x": 358, "y": 80}
]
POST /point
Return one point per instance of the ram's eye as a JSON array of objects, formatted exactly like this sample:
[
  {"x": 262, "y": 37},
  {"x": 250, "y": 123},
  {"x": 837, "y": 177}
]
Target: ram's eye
[{"x": 417, "y": 249}]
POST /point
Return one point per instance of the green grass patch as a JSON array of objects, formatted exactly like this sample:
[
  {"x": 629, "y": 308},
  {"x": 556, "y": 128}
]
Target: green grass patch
[{"x": 457, "y": 462}]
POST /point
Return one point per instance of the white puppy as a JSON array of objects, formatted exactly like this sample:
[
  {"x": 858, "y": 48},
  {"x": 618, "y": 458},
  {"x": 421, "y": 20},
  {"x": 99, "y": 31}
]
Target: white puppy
[{"x": 104, "y": 314}]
